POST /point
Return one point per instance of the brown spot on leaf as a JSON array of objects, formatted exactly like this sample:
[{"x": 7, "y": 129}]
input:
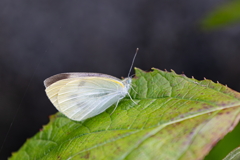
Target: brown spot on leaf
[{"x": 87, "y": 155}]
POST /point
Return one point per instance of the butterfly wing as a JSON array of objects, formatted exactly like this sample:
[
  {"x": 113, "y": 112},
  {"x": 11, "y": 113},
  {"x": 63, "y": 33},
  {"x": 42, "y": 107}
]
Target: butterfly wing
[
  {"x": 53, "y": 90},
  {"x": 84, "y": 97}
]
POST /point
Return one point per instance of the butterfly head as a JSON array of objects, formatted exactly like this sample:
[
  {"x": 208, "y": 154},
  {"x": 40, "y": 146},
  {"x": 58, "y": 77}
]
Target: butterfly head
[{"x": 127, "y": 83}]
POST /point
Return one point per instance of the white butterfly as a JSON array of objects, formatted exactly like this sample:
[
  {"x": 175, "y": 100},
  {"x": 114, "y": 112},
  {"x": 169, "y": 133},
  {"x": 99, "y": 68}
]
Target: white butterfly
[{"x": 83, "y": 95}]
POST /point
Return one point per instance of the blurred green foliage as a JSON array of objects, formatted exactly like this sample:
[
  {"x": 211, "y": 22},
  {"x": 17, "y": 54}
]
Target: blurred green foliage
[{"x": 225, "y": 15}]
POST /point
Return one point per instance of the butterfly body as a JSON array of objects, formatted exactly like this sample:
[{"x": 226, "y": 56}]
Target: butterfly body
[{"x": 83, "y": 95}]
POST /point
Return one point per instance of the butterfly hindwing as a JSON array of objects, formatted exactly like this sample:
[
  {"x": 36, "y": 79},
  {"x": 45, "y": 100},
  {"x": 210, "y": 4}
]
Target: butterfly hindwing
[
  {"x": 85, "y": 97},
  {"x": 53, "y": 90}
]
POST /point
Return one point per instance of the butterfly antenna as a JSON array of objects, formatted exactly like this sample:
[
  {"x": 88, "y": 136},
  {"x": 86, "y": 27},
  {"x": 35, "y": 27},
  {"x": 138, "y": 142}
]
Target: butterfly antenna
[{"x": 133, "y": 61}]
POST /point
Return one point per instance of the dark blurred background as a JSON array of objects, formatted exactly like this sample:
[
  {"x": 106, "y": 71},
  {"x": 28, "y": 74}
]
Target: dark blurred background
[{"x": 41, "y": 38}]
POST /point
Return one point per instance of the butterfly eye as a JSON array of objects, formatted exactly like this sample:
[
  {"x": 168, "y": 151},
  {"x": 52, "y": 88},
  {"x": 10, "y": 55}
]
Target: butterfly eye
[{"x": 127, "y": 82}]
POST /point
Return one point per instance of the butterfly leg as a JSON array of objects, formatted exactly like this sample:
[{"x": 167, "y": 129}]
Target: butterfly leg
[
  {"x": 133, "y": 90},
  {"x": 115, "y": 107},
  {"x": 132, "y": 99}
]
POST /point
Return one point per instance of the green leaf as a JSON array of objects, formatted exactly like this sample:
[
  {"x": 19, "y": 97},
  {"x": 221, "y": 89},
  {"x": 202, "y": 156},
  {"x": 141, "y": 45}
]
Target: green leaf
[
  {"x": 226, "y": 14},
  {"x": 234, "y": 155},
  {"x": 176, "y": 118}
]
